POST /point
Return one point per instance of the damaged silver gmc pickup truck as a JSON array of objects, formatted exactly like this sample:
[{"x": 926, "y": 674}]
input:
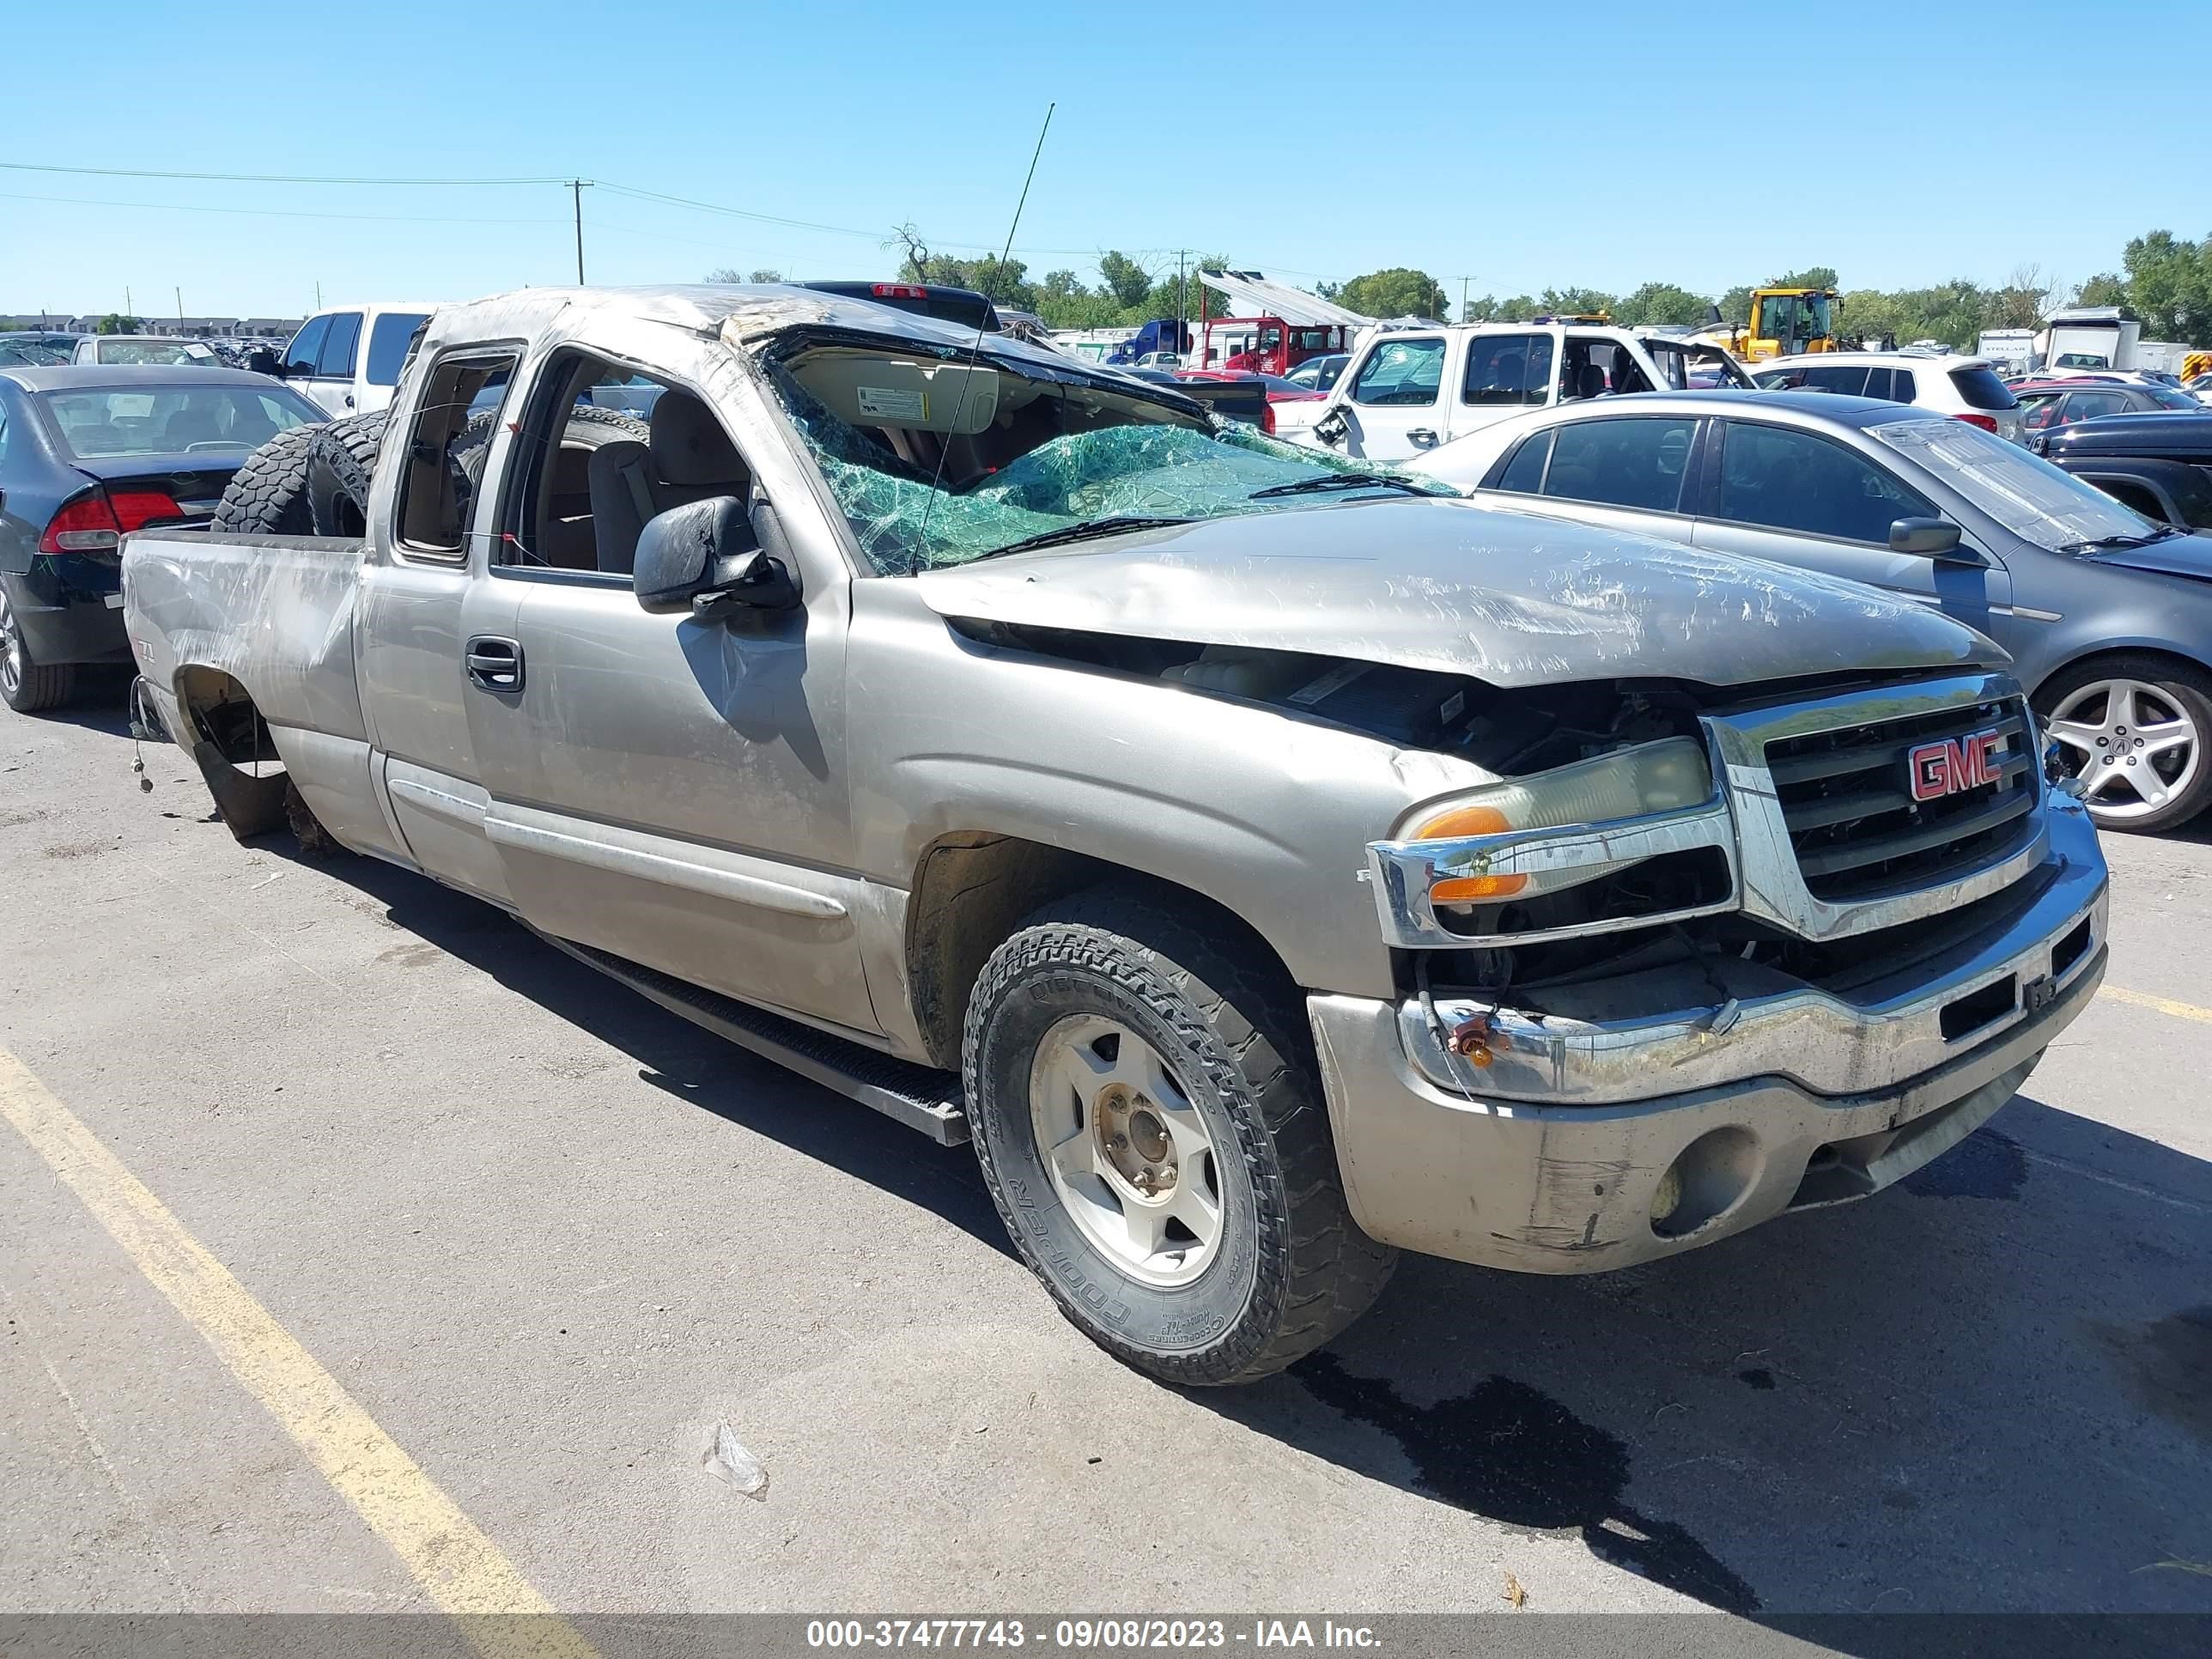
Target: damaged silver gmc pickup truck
[{"x": 1267, "y": 864}]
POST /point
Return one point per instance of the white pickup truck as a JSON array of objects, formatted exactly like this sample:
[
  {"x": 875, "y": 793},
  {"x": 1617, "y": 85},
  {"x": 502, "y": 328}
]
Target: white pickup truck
[
  {"x": 1407, "y": 391},
  {"x": 1268, "y": 863}
]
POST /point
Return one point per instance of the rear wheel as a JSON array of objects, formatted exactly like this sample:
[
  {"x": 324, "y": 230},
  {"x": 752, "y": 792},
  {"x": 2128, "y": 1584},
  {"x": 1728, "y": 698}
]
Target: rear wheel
[
  {"x": 26, "y": 685},
  {"x": 1146, "y": 1110},
  {"x": 2135, "y": 729}
]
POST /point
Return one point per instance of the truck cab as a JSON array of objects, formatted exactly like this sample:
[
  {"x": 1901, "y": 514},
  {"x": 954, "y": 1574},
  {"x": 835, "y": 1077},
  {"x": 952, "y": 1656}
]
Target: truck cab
[
  {"x": 346, "y": 361},
  {"x": 1407, "y": 391}
]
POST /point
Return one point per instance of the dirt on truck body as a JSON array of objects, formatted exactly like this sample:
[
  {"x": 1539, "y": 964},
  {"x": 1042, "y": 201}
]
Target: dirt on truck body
[{"x": 1268, "y": 861}]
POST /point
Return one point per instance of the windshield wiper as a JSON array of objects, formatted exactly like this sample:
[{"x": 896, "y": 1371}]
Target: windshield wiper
[
  {"x": 2102, "y": 542},
  {"x": 1338, "y": 481},
  {"x": 1079, "y": 533}
]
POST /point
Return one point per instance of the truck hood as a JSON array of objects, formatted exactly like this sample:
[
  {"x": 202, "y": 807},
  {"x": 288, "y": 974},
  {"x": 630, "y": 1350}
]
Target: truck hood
[
  {"x": 1461, "y": 588},
  {"x": 2175, "y": 556}
]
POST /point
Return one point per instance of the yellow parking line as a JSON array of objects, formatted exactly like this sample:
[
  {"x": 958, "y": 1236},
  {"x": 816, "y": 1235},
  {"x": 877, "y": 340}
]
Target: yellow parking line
[
  {"x": 2164, "y": 1005},
  {"x": 461, "y": 1571}
]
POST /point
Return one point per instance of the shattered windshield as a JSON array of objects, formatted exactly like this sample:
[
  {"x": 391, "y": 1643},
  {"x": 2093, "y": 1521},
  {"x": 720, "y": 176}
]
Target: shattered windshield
[
  {"x": 933, "y": 467},
  {"x": 2038, "y": 502}
]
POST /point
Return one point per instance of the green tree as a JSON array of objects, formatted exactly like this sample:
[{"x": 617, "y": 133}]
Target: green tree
[
  {"x": 1125, "y": 279},
  {"x": 1396, "y": 292},
  {"x": 116, "y": 323},
  {"x": 1660, "y": 303},
  {"x": 1569, "y": 302},
  {"x": 2169, "y": 286},
  {"x": 1489, "y": 308},
  {"x": 764, "y": 275},
  {"x": 2106, "y": 288}
]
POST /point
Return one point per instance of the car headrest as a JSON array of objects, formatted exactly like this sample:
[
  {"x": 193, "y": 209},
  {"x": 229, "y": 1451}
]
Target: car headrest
[{"x": 689, "y": 445}]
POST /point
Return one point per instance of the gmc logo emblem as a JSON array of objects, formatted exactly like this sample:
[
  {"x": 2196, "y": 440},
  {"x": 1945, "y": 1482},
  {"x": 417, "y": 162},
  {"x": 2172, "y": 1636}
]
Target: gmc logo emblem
[{"x": 1957, "y": 763}]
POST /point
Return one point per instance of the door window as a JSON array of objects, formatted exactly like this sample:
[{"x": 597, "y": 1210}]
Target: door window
[
  {"x": 444, "y": 461},
  {"x": 1636, "y": 462},
  {"x": 1877, "y": 384},
  {"x": 601, "y": 451},
  {"x": 335, "y": 361},
  {"x": 2088, "y": 406},
  {"x": 1400, "y": 374},
  {"x": 2038, "y": 411},
  {"x": 1850, "y": 380},
  {"x": 1788, "y": 480},
  {"x": 1508, "y": 369},
  {"x": 387, "y": 344},
  {"x": 307, "y": 344}
]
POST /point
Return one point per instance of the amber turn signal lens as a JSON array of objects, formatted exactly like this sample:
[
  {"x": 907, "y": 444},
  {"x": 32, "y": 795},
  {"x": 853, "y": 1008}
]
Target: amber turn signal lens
[{"x": 1467, "y": 890}]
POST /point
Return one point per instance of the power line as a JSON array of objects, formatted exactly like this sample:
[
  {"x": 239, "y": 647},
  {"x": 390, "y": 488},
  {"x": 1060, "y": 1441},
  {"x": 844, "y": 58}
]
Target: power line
[
  {"x": 284, "y": 213},
  {"x": 260, "y": 177}
]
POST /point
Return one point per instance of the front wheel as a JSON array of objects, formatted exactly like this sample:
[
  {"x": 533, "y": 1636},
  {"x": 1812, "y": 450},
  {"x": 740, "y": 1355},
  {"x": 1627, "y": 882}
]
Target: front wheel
[
  {"x": 2134, "y": 730},
  {"x": 1146, "y": 1111}
]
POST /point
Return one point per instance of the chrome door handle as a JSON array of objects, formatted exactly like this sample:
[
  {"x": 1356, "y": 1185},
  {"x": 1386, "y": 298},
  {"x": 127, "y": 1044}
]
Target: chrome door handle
[{"x": 1422, "y": 438}]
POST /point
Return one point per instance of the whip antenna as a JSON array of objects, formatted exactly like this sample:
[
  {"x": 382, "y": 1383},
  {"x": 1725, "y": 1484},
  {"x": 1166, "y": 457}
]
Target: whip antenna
[{"x": 975, "y": 350}]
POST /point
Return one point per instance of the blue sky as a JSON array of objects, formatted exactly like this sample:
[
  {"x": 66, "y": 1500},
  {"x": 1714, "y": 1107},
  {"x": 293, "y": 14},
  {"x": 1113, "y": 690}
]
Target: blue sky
[{"x": 1518, "y": 147}]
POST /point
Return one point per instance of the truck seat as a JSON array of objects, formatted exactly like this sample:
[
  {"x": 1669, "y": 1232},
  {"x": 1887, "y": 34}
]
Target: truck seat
[{"x": 686, "y": 457}]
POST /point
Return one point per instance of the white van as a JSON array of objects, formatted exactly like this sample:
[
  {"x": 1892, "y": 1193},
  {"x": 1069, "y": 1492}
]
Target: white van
[
  {"x": 1408, "y": 390},
  {"x": 346, "y": 361}
]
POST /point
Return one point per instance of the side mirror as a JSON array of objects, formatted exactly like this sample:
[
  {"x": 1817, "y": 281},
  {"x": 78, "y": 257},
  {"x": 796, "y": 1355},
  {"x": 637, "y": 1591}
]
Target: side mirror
[
  {"x": 262, "y": 361},
  {"x": 702, "y": 557},
  {"x": 1331, "y": 428},
  {"x": 1932, "y": 538}
]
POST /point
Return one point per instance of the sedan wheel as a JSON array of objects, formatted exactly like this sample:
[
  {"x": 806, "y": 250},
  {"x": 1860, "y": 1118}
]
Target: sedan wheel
[
  {"x": 2137, "y": 747},
  {"x": 11, "y": 653}
]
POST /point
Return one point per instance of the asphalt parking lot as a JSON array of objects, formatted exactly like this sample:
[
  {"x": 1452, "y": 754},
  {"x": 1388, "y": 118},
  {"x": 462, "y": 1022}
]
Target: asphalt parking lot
[{"x": 548, "y": 1236}]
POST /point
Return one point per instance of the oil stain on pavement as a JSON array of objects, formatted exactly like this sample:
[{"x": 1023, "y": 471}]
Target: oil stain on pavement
[
  {"x": 1510, "y": 1453},
  {"x": 2167, "y": 1366}
]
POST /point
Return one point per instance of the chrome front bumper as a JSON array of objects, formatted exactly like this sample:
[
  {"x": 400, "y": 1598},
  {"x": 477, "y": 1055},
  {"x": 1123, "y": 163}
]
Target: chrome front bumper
[{"x": 1557, "y": 1156}]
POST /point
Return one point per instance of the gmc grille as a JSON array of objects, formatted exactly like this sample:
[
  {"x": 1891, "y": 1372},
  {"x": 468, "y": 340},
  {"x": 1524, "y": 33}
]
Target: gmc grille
[{"x": 1847, "y": 796}]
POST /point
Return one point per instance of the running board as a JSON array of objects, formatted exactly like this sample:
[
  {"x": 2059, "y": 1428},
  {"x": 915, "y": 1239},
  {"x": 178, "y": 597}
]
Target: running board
[{"x": 919, "y": 1096}]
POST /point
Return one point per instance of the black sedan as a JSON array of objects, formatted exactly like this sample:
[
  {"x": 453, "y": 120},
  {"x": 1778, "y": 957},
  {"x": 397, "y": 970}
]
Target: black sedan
[
  {"x": 88, "y": 454},
  {"x": 2159, "y": 464}
]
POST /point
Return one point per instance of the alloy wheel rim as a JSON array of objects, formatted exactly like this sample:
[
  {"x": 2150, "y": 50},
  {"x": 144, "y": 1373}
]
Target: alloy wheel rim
[
  {"x": 1128, "y": 1153},
  {"x": 11, "y": 649},
  {"x": 2135, "y": 745}
]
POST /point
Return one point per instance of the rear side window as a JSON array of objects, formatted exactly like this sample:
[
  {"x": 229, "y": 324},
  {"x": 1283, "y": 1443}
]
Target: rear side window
[
  {"x": 1636, "y": 463},
  {"x": 1982, "y": 389},
  {"x": 1788, "y": 480},
  {"x": 1508, "y": 369},
  {"x": 340, "y": 345},
  {"x": 307, "y": 344},
  {"x": 1877, "y": 384},
  {"x": 1848, "y": 379},
  {"x": 1906, "y": 390},
  {"x": 387, "y": 344},
  {"x": 1524, "y": 472},
  {"x": 445, "y": 457},
  {"x": 2088, "y": 406},
  {"x": 2166, "y": 397},
  {"x": 1400, "y": 373}
]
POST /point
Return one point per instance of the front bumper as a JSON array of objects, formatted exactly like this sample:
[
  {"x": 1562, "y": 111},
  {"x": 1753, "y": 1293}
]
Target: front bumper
[{"x": 1623, "y": 1131}]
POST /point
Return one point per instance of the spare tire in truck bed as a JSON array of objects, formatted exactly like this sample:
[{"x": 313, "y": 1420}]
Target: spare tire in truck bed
[
  {"x": 341, "y": 462},
  {"x": 268, "y": 494}
]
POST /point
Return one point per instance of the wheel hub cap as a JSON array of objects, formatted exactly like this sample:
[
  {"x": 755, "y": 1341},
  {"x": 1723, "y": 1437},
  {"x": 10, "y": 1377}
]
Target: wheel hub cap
[{"x": 1131, "y": 1157}]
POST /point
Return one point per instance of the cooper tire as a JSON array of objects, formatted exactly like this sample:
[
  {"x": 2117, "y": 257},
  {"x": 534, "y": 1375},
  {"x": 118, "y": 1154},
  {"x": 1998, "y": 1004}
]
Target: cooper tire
[
  {"x": 341, "y": 465},
  {"x": 2110, "y": 715},
  {"x": 1289, "y": 1268},
  {"x": 268, "y": 496},
  {"x": 29, "y": 686}
]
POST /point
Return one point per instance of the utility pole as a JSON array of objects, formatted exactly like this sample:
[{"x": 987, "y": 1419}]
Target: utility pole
[
  {"x": 318, "y": 294},
  {"x": 576, "y": 194},
  {"x": 179, "y": 293},
  {"x": 126, "y": 299},
  {"x": 1463, "y": 282}
]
